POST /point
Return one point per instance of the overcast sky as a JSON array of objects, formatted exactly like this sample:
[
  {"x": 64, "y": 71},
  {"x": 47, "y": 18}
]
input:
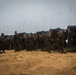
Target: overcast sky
[{"x": 36, "y": 15}]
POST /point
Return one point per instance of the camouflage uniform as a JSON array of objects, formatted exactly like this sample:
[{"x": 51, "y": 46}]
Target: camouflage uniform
[
  {"x": 60, "y": 41},
  {"x": 48, "y": 42},
  {"x": 69, "y": 37},
  {"x": 17, "y": 44},
  {"x": 2, "y": 43}
]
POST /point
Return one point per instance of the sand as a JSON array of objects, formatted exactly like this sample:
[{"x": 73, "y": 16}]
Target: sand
[{"x": 37, "y": 63}]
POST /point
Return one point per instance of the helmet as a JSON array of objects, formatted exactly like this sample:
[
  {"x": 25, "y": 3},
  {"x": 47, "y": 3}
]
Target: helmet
[{"x": 2, "y": 34}]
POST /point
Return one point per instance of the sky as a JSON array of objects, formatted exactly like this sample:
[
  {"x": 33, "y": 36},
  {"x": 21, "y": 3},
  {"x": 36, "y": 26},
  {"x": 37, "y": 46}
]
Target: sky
[{"x": 36, "y": 15}]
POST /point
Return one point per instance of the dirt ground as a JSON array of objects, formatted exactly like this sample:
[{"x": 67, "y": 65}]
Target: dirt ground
[{"x": 37, "y": 63}]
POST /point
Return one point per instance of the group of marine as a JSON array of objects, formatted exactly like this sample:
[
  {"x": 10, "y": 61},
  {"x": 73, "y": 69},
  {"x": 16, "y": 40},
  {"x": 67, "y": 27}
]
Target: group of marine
[{"x": 54, "y": 39}]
